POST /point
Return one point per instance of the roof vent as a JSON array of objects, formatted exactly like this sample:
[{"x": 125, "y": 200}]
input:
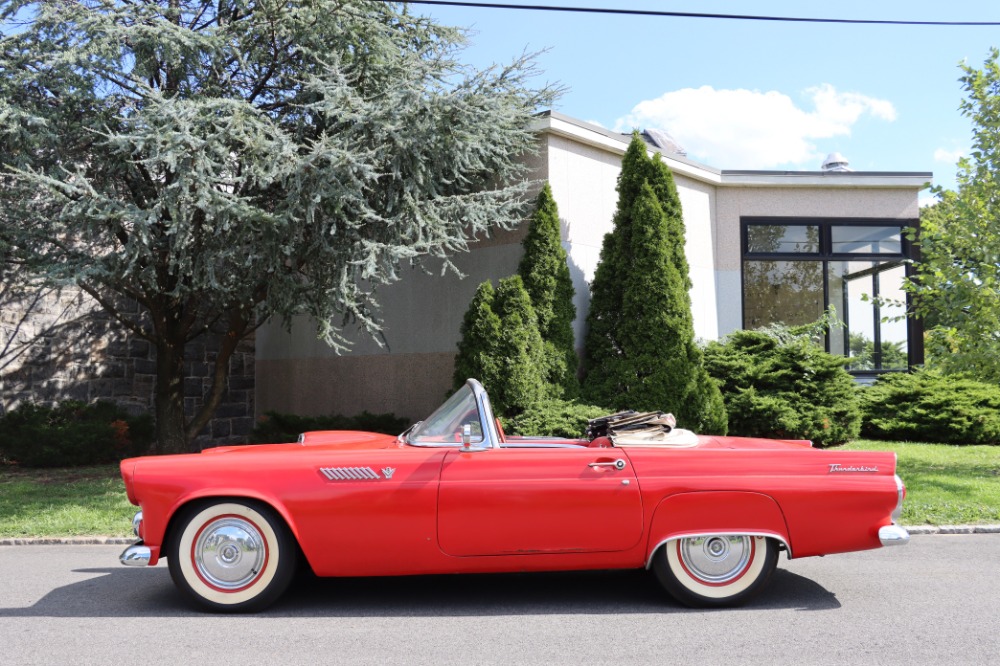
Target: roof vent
[
  {"x": 836, "y": 162},
  {"x": 663, "y": 141}
]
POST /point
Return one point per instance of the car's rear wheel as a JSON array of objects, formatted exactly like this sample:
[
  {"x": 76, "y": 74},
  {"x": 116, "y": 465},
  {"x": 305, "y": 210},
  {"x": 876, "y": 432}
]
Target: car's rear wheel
[
  {"x": 716, "y": 570},
  {"x": 231, "y": 556}
]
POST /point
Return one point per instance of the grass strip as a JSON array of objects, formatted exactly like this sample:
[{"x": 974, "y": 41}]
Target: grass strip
[{"x": 72, "y": 501}]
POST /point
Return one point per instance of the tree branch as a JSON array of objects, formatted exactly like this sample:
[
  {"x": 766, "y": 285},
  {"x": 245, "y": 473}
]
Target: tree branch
[{"x": 116, "y": 313}]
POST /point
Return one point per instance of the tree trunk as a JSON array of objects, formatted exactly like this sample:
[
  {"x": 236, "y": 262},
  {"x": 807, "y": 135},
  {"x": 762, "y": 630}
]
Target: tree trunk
[
  {"x": 171, "y": 434},
  {"x": 220, "y": 377}
]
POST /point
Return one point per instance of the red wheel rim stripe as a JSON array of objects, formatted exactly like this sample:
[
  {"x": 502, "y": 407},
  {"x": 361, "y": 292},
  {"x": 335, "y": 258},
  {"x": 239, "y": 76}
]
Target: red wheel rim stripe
[
  {"x": 197, "y": 570},
  {"x": 753, "y": 553}
]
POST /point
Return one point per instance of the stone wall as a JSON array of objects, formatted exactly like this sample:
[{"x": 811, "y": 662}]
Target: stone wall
[{"x": 59, "y": 346}]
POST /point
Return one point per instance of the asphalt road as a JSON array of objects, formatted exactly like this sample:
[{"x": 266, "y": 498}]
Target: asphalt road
[{"x": 935, "y": 601}]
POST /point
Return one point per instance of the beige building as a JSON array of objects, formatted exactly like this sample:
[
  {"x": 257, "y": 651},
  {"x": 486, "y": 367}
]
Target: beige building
[{"x": 763, "y": 247}]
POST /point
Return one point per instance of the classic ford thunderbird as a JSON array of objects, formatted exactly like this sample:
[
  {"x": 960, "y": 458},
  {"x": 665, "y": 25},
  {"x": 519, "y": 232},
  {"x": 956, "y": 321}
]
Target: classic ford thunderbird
[{"x": 454, "y": 494}]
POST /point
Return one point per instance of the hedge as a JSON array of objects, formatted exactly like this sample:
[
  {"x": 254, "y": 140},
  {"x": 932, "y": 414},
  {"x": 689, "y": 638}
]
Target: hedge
[
  {"x": 73, "y": 433},
  {"x": 928, "y": 407}
]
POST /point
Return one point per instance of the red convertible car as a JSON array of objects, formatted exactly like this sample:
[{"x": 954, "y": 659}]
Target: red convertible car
[{"x": 453, "y": 494}]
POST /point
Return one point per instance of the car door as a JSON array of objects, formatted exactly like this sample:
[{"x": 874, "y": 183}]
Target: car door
[{"x": 505, "y": 501}]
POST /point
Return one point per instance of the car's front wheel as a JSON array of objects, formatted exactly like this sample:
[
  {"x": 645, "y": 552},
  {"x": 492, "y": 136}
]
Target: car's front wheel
[
  {"x": 716, "y": 570},
  {"x": 231, "y": 556}
]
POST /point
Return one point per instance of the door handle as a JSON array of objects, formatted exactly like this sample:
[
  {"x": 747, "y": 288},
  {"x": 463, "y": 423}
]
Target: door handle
[{"x": 617, "y": 464}]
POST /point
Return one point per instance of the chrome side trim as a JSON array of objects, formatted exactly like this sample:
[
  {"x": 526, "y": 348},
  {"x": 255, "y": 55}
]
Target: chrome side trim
[
  {"x": 349, "y": 473},
  {"x": 435, "y": 445},
  {"x": 136, "y": 522},
  {"x": 506, "y": 445},
  {"x": 136, "y": 555},
  {"x": 540, "y": 445},
  {"x": 699, "y": 535},
  {"x": 893, "y": 535}
]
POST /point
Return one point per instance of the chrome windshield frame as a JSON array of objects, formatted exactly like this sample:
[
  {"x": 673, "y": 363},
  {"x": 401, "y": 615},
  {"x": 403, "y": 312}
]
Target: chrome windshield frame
[
  {"x": 491, "y": 437},
  {"x": 487, "y": 424}
]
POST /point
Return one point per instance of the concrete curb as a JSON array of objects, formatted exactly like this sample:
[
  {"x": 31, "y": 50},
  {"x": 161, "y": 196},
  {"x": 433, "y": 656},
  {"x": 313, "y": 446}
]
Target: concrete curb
[
  {"x": 954, "y": 529},
  {"x": 126, "y": 541},
  {"x": 68, "y": 541}
]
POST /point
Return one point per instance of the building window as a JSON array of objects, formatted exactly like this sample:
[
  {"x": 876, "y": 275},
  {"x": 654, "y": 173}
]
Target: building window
[{"x": 796, "y": 269}]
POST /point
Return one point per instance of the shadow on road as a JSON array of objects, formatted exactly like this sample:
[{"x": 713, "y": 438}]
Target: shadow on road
[{"x": 122, "y": 592}]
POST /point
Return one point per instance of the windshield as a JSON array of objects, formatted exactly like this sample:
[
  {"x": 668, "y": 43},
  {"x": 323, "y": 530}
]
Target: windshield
[{"x": 444, "y": 426}]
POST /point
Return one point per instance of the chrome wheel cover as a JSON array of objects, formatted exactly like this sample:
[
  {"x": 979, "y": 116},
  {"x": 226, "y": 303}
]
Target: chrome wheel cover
[
  {"x": 229, "y": 553},
  {"x": 716, "y": 560}
]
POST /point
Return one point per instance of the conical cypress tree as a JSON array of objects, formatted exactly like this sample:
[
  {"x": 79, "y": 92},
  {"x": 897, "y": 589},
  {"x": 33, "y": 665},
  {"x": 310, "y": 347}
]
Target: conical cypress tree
[
  {"x": 520, "y": 352},
  {"x": 545, "y": 272},
  {"x": 602, "y": 350},
  {"x": 477, "y": 348},
  {"x": 640, "y": 350}
]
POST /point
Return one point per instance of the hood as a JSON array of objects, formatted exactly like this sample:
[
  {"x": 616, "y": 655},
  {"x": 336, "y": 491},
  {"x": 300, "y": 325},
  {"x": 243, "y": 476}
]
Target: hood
[{"x": 344, "y": 440}]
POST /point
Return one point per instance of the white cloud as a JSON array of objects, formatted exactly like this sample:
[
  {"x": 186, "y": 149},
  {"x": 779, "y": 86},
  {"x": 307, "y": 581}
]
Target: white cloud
[
  {"x": 925, "y": 201},
  {"x": 749, "y": 129},
  {"x": 948, "y": 156}
]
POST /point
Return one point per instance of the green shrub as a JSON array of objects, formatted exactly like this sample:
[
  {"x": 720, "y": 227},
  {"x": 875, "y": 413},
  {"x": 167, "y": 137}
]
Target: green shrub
[
  {"x": 72, "y": 434},
  {"x": 553, "y": 418},
  {"x": 927, "y": 407},
  {"x": 784, "y": 387},
  {"x": 276, "y": 427}
]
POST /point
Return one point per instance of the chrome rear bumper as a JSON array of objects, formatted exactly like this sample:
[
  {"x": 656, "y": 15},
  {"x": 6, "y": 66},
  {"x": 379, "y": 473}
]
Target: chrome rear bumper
[{"x": 893, "y": 535}]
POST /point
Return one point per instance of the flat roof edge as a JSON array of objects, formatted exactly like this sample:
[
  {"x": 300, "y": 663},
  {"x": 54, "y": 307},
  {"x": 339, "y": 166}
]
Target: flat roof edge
[
  {"x": 886, "y": 179},
  {"x": 560, "y": 124},
  {"x": 825, "y": 174}
]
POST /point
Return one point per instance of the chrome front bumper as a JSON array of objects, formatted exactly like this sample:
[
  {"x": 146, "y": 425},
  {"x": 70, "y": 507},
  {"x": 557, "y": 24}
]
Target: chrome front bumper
[
  {"x": 136, "y": 555},
  {"x": 893, "y": 535}
]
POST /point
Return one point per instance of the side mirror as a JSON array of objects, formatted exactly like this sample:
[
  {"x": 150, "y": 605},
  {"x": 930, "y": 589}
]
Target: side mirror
[{"x": 466, "y": 436}]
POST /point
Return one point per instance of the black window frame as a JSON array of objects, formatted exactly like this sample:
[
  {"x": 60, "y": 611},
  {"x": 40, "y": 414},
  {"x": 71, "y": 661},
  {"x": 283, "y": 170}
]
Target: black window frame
[{"x": 909, "y": 253}]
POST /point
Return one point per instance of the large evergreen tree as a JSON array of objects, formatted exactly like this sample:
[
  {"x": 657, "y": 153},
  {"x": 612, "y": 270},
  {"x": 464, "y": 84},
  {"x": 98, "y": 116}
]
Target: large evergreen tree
[
  {"x": 640, "y": 348},
  {"x": 220, "y": 162},
  {"x": 545, "y": 272}
]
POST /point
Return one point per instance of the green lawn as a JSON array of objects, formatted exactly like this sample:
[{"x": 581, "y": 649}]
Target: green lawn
[
  {"x": 73, "y": 501},
  {"x": 946, "y": 485}
]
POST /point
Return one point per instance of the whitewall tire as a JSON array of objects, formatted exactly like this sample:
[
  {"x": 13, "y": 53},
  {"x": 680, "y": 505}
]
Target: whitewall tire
[
  {"x": 231, "y": 556},
  {"x": 716, "y": 570}
]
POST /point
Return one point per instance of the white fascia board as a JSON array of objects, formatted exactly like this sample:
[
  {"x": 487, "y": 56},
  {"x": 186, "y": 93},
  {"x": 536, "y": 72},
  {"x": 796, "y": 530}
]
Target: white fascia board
[
  {"x": 907, "y": 180},
  {"x": 598, "y": 137}
]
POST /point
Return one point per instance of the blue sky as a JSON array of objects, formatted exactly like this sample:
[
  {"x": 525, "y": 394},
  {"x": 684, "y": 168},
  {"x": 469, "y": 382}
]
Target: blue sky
[{"x": 755, "y": 95}]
